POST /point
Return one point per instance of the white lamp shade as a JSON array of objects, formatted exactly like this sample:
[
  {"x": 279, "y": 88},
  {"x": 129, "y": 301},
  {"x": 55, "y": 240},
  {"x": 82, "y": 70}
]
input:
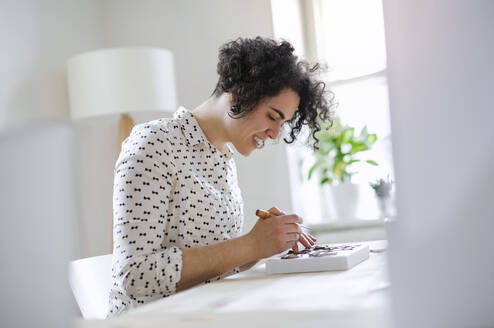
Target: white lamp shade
[{"x": 121, "y": 80}]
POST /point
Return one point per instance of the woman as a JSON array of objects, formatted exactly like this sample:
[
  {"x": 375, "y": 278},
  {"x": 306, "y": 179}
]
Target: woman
[{"x": 178, "y": 211}]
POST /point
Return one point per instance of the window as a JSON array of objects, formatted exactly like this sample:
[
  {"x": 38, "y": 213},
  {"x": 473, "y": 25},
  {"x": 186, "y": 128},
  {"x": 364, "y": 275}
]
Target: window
[{"x": 348, "y": 37}]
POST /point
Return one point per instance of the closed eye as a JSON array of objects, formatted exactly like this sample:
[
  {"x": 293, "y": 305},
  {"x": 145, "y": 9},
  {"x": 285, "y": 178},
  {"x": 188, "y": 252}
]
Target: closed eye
[{"x": 271, "y": 118}]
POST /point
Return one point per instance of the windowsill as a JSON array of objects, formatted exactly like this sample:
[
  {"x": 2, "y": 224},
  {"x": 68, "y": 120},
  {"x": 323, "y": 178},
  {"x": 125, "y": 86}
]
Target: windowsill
[
  {"x": 349, "y": 231},
  {"x": 346, "y": 225}
]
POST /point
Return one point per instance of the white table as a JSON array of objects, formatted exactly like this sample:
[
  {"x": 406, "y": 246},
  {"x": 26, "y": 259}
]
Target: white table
[{"x": 355, "y": 298}]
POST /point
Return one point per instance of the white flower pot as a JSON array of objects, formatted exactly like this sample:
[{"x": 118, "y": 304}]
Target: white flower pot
[{"x": 341, "y": 201}]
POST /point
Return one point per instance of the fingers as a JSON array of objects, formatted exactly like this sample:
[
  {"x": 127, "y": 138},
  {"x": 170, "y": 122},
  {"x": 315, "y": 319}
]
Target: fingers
[
  {"x": 292, "y": 218},
  {"x": 295, "y": 247},
  {"x": 292, "y": 227},
  {"x": 312, "y": 238},
  {"x": 282, "y": 232},
  {"x": 292, "y": 236},
  {"x": 276, "y": 211},
  {"x": 305, "y": 240}
]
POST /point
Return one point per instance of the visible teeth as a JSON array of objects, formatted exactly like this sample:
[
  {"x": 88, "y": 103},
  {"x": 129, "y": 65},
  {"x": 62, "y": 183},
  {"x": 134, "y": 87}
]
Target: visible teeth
[{"x": 258, "y": 141}]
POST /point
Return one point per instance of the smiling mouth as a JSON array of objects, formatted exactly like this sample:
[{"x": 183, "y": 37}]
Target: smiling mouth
[{"x": 259, "y": 142}]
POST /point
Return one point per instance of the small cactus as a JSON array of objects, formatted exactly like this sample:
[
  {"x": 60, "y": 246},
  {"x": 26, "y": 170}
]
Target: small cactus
[{"x": 382, "y": 187}]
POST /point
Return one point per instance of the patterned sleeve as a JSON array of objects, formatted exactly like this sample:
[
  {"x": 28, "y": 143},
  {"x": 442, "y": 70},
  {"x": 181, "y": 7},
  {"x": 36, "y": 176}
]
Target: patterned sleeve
[{"x": 143, "y": 269}]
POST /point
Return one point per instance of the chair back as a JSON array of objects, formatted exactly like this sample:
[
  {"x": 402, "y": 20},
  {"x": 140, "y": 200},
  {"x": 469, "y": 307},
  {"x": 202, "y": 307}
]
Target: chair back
[{"x": 90, "y": 280}]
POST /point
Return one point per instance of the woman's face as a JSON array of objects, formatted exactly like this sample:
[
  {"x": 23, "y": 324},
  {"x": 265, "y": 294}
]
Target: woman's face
[{"x": 264, "y": 121}]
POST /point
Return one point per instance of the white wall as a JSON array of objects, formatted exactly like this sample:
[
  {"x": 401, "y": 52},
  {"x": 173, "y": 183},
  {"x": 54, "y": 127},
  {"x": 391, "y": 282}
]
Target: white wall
[
  {"x": 41, "y": 36},
  {"x": 36, "y": 38},
  {"x": 193, "y": 30}
]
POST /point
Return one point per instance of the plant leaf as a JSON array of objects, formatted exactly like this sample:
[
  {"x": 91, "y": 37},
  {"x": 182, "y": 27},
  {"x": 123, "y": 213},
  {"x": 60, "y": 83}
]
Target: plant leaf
[
  {"x": 352, "y": 161},
  {"x": 347, "y": 135},
  {"x": 316, "y": 164},
  {"x": 371, "y": 138},
  {"x": 372, "y": 162},
  {"x": 326, "y": 180},
  {"x": 357, "y": 147}
]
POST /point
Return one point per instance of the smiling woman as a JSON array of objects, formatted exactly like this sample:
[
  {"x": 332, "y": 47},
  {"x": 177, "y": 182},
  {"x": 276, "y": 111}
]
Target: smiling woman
[
  {"x": 178, "y": 210},
  {"x": 248, "y": 132},
  {"x": 254, "y": 70}
]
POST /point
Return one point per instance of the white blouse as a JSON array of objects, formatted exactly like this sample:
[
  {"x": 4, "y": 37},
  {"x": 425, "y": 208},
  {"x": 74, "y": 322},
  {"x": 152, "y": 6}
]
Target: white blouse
[{"x": 172, "y": 190}]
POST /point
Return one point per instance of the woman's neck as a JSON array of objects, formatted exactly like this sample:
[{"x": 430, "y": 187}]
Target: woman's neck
[{"x": 210, "y": 116}]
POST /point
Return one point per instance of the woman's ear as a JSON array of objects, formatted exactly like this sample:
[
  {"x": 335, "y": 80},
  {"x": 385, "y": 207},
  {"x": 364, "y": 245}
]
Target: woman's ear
[{"x": 232, "y": 97}]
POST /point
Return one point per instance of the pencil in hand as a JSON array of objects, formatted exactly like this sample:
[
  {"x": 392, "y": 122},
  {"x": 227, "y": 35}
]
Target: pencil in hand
[{"x": 265, "y": 215}]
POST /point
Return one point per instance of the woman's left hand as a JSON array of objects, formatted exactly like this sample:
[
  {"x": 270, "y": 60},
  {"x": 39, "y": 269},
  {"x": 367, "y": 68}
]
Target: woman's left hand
[{"x": 304, "y": 238}]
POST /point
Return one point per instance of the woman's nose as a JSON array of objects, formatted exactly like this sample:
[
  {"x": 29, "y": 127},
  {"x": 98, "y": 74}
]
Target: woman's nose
[{"x": 273, "y": 132}]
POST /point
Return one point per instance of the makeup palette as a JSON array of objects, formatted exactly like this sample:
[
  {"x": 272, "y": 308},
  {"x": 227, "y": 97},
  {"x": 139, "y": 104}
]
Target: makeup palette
[{"x": 318, "y": 258}]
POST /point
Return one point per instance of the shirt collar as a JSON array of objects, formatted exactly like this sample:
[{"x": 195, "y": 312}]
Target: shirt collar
[{"x": 193, "y": 132}]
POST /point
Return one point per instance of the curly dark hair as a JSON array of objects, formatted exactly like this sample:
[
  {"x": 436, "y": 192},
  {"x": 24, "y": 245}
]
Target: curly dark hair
[{"x": 253, "y": 69}]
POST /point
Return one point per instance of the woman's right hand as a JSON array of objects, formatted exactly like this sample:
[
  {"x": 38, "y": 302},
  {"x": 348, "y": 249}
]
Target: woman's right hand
[{"x": 275, "y": 234}]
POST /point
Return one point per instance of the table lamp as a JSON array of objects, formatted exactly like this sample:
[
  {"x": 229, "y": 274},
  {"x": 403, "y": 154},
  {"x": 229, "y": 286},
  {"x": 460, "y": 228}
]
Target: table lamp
[{"x": 121, "y": 81}]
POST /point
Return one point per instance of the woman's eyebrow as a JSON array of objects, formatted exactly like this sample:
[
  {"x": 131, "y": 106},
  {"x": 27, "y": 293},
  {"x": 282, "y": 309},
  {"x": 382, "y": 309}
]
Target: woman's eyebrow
[{"x": 279, "y": 112}]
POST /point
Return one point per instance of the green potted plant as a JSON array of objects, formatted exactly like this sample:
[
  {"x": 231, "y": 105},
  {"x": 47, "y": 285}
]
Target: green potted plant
[{"x": 339, "y": 150}]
